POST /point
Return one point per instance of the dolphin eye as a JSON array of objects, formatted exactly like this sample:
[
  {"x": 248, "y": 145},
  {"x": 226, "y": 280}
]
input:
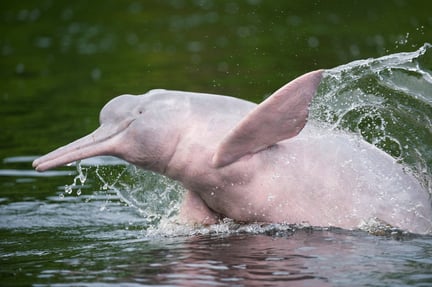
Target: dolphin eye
[{"x": 140, "y": 112}]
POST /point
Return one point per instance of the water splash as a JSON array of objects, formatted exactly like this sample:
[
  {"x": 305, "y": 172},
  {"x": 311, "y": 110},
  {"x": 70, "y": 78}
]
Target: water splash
[
  {"x": 81, "y": 177},
  {"x": 171, "y": 228},
  {"x": 154, "y": 196},
  {"x": 387, "y": 101},
  {"x": 168, "y": 227}
]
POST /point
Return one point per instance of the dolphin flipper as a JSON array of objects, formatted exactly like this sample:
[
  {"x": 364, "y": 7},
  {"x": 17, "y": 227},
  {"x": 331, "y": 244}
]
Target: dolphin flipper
[{"x": 281, "y": 116}]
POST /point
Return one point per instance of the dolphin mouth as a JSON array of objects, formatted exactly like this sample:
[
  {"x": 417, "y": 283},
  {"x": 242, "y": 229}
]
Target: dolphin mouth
[{"x": 102, "y": 141}]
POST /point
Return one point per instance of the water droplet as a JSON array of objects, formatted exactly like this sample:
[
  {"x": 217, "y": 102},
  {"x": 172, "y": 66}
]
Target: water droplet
[{"x": 68, "y": 189}]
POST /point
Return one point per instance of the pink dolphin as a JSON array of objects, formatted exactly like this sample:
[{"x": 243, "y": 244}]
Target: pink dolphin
[{"x": 250, "y": 162}]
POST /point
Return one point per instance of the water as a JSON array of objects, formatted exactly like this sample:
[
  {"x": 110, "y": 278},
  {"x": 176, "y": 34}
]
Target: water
[
  {"x": 388, "y": 102},
  {"x": 108, "y": 223}
]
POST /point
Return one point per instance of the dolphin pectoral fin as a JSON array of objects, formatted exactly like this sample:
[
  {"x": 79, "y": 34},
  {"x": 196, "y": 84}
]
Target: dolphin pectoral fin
[
  {"x": 193, "y": 210},
  {"x": 281, "y": 116}
]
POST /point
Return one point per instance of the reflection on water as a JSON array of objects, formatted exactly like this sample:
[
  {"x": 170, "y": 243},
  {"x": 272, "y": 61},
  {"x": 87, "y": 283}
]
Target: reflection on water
[{"x": 302, "y": 258}]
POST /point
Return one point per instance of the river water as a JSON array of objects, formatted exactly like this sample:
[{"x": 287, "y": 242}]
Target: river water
[{"x": 106, "y": 223}]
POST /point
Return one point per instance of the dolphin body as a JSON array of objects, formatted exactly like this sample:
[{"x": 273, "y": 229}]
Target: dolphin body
[{"x": 251, "y": 163}]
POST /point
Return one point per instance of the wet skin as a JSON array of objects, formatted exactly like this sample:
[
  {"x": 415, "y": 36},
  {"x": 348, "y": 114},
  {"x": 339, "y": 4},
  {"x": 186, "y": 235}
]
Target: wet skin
[{"x": 254, "y": 162}]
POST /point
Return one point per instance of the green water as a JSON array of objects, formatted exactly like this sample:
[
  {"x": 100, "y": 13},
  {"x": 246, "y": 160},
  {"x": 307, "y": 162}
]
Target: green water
[{"x": 61, "y": 61}]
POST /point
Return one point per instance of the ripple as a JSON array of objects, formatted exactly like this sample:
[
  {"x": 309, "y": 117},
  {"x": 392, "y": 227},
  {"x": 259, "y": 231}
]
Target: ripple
[{"x": 33, "y": 173}]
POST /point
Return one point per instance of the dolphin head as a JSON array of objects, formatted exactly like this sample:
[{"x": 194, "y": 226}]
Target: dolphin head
[{"x": 134, "y": 128}]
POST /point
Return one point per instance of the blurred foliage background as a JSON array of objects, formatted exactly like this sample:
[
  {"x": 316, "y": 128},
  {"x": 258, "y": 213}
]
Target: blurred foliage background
[{"x": 61, "y": 61}]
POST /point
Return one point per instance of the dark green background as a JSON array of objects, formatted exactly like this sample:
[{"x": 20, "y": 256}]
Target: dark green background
[{"x": 61, "y": 61}]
